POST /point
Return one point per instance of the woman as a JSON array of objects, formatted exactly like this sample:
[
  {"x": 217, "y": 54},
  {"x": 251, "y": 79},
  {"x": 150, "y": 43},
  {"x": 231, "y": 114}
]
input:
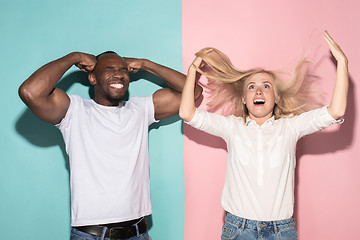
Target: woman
[{"x": 266, "y": 118}]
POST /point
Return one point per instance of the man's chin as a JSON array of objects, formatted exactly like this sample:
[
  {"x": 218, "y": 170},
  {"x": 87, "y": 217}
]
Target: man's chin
[{"x": 117, "y": 97}]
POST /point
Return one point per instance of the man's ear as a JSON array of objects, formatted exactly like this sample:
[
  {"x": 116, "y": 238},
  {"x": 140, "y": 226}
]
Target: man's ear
[{"x": 92, "y": 78}]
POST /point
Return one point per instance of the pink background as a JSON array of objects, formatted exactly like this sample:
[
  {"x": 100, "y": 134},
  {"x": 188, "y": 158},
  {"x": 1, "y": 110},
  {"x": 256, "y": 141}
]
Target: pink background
[{"x": 273, "y": 34}]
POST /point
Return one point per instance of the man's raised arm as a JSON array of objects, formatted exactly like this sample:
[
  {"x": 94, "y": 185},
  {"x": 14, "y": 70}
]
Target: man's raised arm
[
  {"x": 166, "y": 101},
  {"x": 39, "y": 93}
]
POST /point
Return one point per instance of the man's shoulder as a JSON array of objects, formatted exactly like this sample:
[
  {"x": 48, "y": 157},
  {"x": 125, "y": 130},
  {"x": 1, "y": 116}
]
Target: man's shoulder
[
  {"x": 76, "y": 100},
  {"x": 143, "y": 104},
  {"x": 75, "y": 97},
  {"x": 139, "y": 99}
]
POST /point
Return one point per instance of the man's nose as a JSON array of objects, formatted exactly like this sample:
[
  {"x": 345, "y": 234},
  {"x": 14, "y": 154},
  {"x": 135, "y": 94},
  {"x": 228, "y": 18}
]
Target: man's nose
[{"x": 118, "y": 74}]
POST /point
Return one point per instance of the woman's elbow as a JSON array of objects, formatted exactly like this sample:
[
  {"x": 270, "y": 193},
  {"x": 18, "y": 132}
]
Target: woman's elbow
[
  {"x": 337, "y": 113},
  {"x": 186, "y": 115},
  {"x": 182, "y": 114}
]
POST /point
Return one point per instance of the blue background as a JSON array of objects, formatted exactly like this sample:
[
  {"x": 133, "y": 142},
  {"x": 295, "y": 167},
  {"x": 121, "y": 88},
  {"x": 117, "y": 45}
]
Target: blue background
[{"x": 34, "y": 174}]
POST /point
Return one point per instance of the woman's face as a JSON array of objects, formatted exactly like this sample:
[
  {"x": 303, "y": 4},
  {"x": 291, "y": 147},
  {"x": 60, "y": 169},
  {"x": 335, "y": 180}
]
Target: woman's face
[{"x": 260, "y": 97}]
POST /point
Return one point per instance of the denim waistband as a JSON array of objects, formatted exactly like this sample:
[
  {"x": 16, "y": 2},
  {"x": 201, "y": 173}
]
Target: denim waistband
[{"x": 246, "y": 223}]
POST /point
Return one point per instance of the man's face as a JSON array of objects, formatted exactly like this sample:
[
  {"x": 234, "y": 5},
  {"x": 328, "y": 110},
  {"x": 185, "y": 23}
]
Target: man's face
[{"x": 110, "y": 78}]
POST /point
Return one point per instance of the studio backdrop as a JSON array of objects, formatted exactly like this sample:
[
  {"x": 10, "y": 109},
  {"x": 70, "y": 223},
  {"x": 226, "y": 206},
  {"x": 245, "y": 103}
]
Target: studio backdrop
[{"x": 187, "y": 167}]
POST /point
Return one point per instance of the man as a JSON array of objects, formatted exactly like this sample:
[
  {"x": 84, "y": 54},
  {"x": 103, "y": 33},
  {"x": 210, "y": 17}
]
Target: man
[{"x": 106, "y": 139}]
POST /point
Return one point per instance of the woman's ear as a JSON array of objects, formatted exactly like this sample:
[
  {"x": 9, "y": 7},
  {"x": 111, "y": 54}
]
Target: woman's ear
[
  {"x": 243, "y": 100},
  {"x": 277, "y": 98},
  {"x": 92, "y": 79}
]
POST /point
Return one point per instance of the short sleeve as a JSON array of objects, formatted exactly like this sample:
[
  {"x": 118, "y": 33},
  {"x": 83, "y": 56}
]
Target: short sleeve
[
  {"x": 151, "y": 109},
  {"x": 65, "y": 122}
]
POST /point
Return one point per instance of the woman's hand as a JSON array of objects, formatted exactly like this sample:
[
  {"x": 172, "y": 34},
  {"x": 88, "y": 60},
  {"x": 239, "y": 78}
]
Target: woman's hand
[
  {"x": 197, "y": 62},
  {"x": 334, "y": 48},
  {"x": 338, "y": 102},
  {"x": 187, "y": 105}
]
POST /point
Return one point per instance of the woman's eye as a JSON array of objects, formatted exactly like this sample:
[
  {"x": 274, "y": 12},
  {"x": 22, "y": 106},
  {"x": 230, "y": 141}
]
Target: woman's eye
[
  {"x": 266, "y": 86},
  {"x": 251, "y": 87}
]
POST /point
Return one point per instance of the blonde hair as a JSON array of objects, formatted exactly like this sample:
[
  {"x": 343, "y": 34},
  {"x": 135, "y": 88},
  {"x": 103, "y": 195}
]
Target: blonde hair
[{"x": 227, "y": 86}]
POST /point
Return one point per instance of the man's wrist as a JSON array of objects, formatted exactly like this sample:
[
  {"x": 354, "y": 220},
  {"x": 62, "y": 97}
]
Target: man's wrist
[
  {"x": 73, "y": 57},
  {"x": 146, "y": 65}
]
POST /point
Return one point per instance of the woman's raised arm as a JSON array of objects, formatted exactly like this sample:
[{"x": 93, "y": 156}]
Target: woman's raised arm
[
  {"x": 338, "y": 102},
  {"x": 187, "y": 105}
]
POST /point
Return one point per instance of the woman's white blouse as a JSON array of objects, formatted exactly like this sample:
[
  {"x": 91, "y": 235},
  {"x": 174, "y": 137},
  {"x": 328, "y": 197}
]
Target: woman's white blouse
[{"x": 259, "y": 180}]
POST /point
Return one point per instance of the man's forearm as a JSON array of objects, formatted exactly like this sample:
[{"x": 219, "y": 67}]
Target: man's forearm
[
  {"x": 174, "y": 79},
  {"x": 42, "y": 82}
]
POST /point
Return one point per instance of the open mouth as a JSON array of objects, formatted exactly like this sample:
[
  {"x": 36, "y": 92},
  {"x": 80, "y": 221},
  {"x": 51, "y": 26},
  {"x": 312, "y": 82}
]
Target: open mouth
[
  {"x": 259, "y": 102},
  {"x": 117, "y": 85}
]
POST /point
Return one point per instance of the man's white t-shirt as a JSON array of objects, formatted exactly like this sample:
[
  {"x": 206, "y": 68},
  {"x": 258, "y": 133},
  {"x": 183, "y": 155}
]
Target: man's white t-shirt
[{"x": 109, "y": 162}]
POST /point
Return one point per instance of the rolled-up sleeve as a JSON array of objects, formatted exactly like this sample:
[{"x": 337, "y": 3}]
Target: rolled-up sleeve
[
  {"x": 313, "y": 121},
  {"x": 211, "y": 123}
]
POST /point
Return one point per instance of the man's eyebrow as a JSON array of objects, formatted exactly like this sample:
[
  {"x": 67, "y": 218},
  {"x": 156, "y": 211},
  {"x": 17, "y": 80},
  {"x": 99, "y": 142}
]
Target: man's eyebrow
[{"x": 113, "y": 67}]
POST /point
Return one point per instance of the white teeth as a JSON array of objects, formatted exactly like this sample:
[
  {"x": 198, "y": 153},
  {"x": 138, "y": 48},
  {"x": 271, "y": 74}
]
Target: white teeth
[
  {"x": 117, "y": 85},
  {"x": 259, "y": 101}
]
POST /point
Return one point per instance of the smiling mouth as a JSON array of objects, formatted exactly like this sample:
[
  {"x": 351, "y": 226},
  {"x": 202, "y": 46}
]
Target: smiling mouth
[
  {"x": 259, "y": 102},
  {"x": 117, "y": 85}
]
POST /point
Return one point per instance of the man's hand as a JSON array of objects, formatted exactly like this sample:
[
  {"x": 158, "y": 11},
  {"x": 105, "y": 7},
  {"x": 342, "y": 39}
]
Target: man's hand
[
  {"x": 134, "y": 64},
  {"x": 86, "y": 62},
  {"x": 39, "y": 91},
  {"x": 166, "y": 101}
]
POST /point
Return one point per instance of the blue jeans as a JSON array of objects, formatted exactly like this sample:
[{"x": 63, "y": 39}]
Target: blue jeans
[
  {"x": 79, "y": 235},
  {"x": 237, "y": 228}
]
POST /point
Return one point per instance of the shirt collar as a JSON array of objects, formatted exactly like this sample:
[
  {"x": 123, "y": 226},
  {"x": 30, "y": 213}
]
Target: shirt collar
[{"x": 270, "y": 121}]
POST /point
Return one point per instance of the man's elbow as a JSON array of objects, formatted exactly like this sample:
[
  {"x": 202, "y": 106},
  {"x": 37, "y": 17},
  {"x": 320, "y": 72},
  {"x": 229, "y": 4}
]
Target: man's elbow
[{"x": 25, "y": 93}]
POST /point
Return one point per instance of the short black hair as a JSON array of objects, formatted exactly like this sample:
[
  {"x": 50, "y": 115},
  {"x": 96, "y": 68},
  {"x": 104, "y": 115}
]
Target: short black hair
[{"x": 107, "y": 52}]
